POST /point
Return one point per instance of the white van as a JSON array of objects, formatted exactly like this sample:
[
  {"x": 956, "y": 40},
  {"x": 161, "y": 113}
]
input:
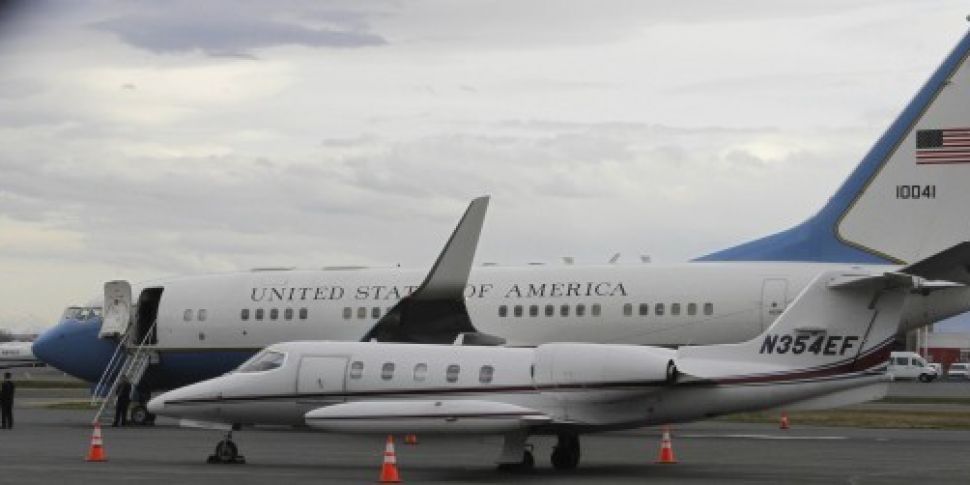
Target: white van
[{"x": 909, "y": 365}]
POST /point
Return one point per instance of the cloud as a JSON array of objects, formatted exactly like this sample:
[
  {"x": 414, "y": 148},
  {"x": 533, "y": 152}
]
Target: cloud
[{"x": 232, "y": 34}]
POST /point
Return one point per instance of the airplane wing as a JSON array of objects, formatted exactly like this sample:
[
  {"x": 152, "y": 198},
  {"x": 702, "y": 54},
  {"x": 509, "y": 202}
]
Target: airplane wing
[
  {"x": 456, "y": 416},
  {"x": 436, "y": 312}
]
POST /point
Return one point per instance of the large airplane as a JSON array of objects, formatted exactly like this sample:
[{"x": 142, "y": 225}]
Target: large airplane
[
  {"x": 829, "y": 348},
  {"x": 905, "y": 201}
]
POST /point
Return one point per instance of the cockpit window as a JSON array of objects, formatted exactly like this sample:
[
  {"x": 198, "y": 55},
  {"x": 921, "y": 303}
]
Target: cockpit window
[{"x": 263, "y": 361}]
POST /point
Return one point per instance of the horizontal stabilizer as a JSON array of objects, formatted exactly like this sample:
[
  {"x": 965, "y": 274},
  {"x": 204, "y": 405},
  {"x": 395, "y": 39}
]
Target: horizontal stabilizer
[
  {"x": 460, "y": 416},
  {"x": 951, "y": 264}
]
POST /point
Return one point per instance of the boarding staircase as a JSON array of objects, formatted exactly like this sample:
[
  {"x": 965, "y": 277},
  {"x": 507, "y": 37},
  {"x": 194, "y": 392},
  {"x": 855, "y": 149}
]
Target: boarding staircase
[{"x": 129, "y": 360}]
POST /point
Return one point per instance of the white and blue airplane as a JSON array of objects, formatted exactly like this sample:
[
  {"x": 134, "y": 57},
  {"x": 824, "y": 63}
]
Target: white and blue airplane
[
  {"x": 828, "y": 349},
  {"x": 904, "y": 202}
]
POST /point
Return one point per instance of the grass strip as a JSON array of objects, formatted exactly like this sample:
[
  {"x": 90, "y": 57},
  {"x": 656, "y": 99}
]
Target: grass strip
[{"x": 863, "y": 418}]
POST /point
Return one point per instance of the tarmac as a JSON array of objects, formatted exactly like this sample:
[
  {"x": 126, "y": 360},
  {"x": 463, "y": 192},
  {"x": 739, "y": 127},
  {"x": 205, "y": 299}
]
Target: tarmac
[{"x": 48, "y": 446}]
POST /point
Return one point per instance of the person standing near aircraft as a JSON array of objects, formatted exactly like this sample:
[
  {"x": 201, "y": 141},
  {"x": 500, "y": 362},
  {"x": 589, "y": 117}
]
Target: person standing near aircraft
[
  {"x": 122, "y": 402},
  {"x": 6, "y": 402}
]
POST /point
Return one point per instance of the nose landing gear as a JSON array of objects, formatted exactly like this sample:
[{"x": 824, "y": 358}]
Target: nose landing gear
[{"x": 227, "y": 452}]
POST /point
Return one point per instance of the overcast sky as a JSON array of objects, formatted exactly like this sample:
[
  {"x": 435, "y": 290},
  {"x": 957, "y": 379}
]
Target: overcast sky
[{"x": 145, "y": 139}]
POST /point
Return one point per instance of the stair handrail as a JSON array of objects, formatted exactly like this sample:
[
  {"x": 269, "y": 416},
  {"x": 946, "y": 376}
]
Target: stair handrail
[
  {"x": 128, "y": 364},
  {"x": 110, "y": 369}
]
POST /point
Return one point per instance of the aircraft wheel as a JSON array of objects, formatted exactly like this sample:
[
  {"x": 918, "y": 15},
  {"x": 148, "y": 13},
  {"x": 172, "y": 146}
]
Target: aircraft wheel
[
  {"x": 565, "y": 455},
  {"x": 140, "y": 416},
  {"x": 226, "y": 452}
]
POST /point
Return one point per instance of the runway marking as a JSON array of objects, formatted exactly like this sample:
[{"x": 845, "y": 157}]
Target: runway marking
[{"x": 764, "y": 437}]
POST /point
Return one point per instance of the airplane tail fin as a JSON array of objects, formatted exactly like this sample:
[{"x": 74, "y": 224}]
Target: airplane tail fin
[
  {"x": 906, "y": 199},
  {"x": 840, "y": 323}
]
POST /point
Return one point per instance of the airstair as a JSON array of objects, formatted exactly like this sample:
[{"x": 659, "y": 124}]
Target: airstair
[
  {"x": 135, "y": 350},
  {"x": 129, "y": 362}
]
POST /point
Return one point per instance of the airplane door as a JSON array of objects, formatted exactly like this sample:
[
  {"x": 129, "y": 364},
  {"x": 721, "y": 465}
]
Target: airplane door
[
  {"x": 774, "y": 294},
  {"x": 322, "y": 377},
  {"x": 117, "y": 309}
]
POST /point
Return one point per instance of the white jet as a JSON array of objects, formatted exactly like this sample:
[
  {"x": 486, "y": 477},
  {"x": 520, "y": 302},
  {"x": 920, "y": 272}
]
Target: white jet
[{"x": 829, "y": 348}]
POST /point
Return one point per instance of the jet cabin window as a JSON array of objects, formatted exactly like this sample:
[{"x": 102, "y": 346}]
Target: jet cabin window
[
  {"x": 288, "y": 314},
  {"x": 356, "y": 369},
  {"x": 244, "y": 314},
  {"x": 387, "y": 371},
  {"x": 627, "y": 309},
  {"x": 692, "y": 308},
  {"x": 303, "y": 313},
  {"x": 264, "y": 361},
  {"x": 708, "y": 309},
  {"x": 452, "y": 373},
  {"x": 485, "y": 374},
  {"x": 187, "y": 316},
  {"x": 420, "y": 372}
]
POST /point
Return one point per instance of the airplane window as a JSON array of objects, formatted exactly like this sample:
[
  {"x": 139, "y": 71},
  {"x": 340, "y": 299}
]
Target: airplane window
[
  {"x": 263, "y": 361},
  {"x": 708, "y": 309},
  {"x": 420, "y": 372},
  {"x": 303, "y": 313},
  {"x": 658, "y": 309},
  {"x": 550, "y": 310},
  {"x": 387, "y": 371},
  {"x": 595, "y": 309},
  {"x": 517, "y": 310},
  {"x": 375, "y": 312},
  {"x": 644, "y": 309},
  {"x": 452, "y": 374},
  {"x": 356, "y": 369},
  {"x": 533, "y": 310},
  {"x": 259, "y": 314},
  {"x": 485, "y": 374},
  {"x": 202, "y": 315},
  {"x": 503, "y": 311},
  {"x": 627, "y": 309},
  {"x": 564, "y": 310},
  {"x": 187, "y": 316},
  {"x": 692, "y": 308},
  {"x": 361, "y": 312},
  {"x": 274, "y": 313},
  {"x": 580, "y": 310},
  {"x": 348, "y": 312},
  {"x": 244, "y": 314},
  {"x": 675, "y": 308},
  {"x": 288, "y": 314},
  {"x": 71, "y": 312}
]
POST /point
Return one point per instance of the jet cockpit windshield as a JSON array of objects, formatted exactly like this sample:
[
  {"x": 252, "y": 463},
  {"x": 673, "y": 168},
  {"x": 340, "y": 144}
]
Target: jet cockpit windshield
[
  {"x": 81, "y": 314},
  {"x": 263, "y": 361}
]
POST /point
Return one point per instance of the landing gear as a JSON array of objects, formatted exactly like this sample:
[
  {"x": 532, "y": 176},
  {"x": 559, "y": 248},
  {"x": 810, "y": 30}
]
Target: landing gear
[
  {"x": 140, "y": 416},
  {"x": 565, "y": 455},
  {"x": 516, "y": 454},
  {"x": 227, "y": 452}
]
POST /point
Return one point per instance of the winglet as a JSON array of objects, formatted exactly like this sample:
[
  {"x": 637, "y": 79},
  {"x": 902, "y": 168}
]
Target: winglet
[
  {"x": 436, "y": 312},
  {"x": 449, "y": 275}
]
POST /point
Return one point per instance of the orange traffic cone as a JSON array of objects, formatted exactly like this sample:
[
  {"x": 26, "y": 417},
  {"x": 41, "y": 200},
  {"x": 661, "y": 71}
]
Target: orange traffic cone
[
  {"x": 666, "y": 449},
  {"x": 411, "y": 439},
  {"x": 389, "y": 469},
  {"x": 784, "y": 421},
  {"x": 96, "y": 452}
]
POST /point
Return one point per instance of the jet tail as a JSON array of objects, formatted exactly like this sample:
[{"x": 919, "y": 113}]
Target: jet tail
[{"x": 906, "y": 200}]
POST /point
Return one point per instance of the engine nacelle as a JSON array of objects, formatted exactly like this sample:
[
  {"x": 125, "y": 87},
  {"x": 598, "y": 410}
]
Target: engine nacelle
[{"x": 608, "y": 369}]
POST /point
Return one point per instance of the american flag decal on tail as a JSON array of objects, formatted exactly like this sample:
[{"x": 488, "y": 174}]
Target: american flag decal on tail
[{"x": 949, "y": 145}]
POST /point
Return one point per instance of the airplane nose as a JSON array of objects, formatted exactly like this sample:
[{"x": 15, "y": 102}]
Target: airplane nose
[
  {"x": 157, "y": 404},
  {"x": 73, "y": 346}
]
